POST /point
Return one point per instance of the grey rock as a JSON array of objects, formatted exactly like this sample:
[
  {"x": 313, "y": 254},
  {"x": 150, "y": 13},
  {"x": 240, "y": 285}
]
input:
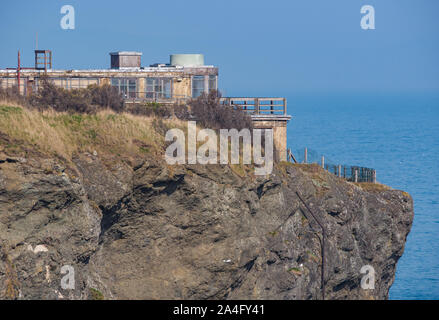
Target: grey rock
[{"x": 150, "y": 231}]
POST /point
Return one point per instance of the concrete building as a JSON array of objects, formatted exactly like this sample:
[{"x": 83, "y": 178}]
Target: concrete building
[
  {"x": 167, "y": 82},
  {"x": 185, "y": 76}
]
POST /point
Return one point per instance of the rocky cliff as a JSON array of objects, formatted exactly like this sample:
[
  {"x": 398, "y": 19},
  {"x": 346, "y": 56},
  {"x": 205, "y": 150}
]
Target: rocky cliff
[{"x": 140, "y": 229}]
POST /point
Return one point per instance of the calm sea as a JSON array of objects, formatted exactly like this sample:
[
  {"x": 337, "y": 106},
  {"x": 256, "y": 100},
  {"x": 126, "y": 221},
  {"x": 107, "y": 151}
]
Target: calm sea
[{"x": 398, "y": 135}]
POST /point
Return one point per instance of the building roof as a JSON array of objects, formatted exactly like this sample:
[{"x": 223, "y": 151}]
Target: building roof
[{"x": 125, "y": 53}]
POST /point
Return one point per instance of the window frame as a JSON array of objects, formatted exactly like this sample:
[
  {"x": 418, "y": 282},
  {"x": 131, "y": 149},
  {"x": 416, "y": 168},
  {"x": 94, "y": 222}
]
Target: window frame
[
  {"x": 199, "y": 79},
  {"x": 161, "y": 84},
  {"x": 124, "y": 86}
]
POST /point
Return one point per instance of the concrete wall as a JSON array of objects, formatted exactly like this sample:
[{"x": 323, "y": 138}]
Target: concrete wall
[
  {"x": 182, "y": 87},
  {"x": 279, "y": 136}
]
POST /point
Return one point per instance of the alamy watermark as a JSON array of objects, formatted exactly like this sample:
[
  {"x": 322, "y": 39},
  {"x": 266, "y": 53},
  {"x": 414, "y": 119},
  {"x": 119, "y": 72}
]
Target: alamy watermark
[
  {"x": 68, "y": 281},
  {"x": 368, "y": 20},
  {"x": 368, "y": 280},
  {"x": 207, "y": 153},
  {"x": 68, "y": 20}
]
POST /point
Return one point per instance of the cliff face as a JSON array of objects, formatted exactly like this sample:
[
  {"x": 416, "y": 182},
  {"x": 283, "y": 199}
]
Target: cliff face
[{"x": 144, "y": 230}]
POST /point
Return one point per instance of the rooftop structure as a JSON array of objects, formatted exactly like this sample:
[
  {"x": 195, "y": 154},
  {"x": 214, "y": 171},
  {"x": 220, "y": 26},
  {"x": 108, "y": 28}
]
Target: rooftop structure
[{"x": 125, "y": 59}]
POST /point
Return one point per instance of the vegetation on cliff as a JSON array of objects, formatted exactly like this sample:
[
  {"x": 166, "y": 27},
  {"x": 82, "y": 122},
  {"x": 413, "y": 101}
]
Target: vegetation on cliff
[{"x": 63, "y": 134}]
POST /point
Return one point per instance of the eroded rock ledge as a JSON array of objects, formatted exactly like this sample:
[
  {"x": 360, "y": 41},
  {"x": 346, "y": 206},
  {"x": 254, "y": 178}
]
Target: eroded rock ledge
[{"x": 145, "y": 230}]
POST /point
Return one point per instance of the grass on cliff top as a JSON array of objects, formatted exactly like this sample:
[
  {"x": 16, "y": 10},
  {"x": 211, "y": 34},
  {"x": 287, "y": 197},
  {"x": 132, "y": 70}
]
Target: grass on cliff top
[
  {"x": 369, "y": 186},
  {"x": 63, "y": 134}
]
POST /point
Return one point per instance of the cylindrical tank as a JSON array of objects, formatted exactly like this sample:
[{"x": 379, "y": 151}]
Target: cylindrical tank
[{"x": 187, "y": 60}]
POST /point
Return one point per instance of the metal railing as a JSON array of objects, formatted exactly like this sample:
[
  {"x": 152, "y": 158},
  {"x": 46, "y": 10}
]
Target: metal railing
[
  {"x": 254, "y": 106},
  {"x": 350, "y": 173},
  {"x": 258, "y": 106}
]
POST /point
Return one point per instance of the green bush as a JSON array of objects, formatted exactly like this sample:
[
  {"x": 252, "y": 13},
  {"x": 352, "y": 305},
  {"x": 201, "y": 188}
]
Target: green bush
[{"x": 95, "y": 294}]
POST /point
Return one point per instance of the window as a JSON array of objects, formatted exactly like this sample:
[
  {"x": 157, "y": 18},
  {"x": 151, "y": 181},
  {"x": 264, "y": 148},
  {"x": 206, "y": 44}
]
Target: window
[
  {"x": 202, "y": 84},
  {"x": 197, "y": 86},
  {"x": 212, "y": 83},
  {"x": 70, "y": 83},
  {"x": 6, "y": 83},
  {"x": 126, "y": 87},
  {"x": 158, "y": 88}
]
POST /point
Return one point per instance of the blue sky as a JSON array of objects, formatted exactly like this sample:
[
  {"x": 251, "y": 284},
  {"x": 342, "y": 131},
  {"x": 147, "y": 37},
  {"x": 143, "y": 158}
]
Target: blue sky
[{"x": 261, "y": 47}]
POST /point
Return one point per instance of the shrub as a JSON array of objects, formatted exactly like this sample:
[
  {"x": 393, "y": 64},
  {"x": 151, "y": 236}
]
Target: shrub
[
  {"x": 150, "y": 109},
  {"x": 95, "y": 294},
  {"x": 210, "y": 113},
  {"x": 12, "y": 95},
  {"x": 106, "y": 96},
  {"x": 181, "y": 111},
  {"x": 88, "y": 100},
  {"x": 60, "y": 99}
]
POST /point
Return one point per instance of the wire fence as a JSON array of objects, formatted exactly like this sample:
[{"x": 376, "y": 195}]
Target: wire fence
[{"x": 350, "y": 173}]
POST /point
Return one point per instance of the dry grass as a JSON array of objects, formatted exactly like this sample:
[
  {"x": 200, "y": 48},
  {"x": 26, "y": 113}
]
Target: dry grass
[
  {"x": 369, "y": 186},
  {"x": 63, "y": 134}
]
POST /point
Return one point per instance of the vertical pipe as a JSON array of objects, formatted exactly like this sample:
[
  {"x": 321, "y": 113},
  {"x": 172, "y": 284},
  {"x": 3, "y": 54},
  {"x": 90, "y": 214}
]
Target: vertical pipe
[
  {"x": 206, "y": 84},
  {"x": 356, "y": 175},
  {"x": 306, "y": 155},
  {"x": 323, "y": 162}
]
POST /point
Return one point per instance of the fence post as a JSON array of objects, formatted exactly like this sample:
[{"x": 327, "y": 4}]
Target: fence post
[
  {"x": 356, "y": 175},
  {"x": 323, "y": 162},
  {"x": 374, "y": 176},
  {"x": 306, "y": 155},
  {"x": 339, "y": 170}
]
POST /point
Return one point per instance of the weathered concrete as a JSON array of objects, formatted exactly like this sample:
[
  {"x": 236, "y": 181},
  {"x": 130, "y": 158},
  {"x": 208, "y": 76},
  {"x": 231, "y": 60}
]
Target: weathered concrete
[
  {"x": 181, "y": 77},
  {"x": 279, "y": 126}
]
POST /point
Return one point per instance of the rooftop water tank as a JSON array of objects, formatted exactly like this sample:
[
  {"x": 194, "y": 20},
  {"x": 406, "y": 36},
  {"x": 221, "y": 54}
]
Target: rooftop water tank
[{"x": 187, "y": 60}]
